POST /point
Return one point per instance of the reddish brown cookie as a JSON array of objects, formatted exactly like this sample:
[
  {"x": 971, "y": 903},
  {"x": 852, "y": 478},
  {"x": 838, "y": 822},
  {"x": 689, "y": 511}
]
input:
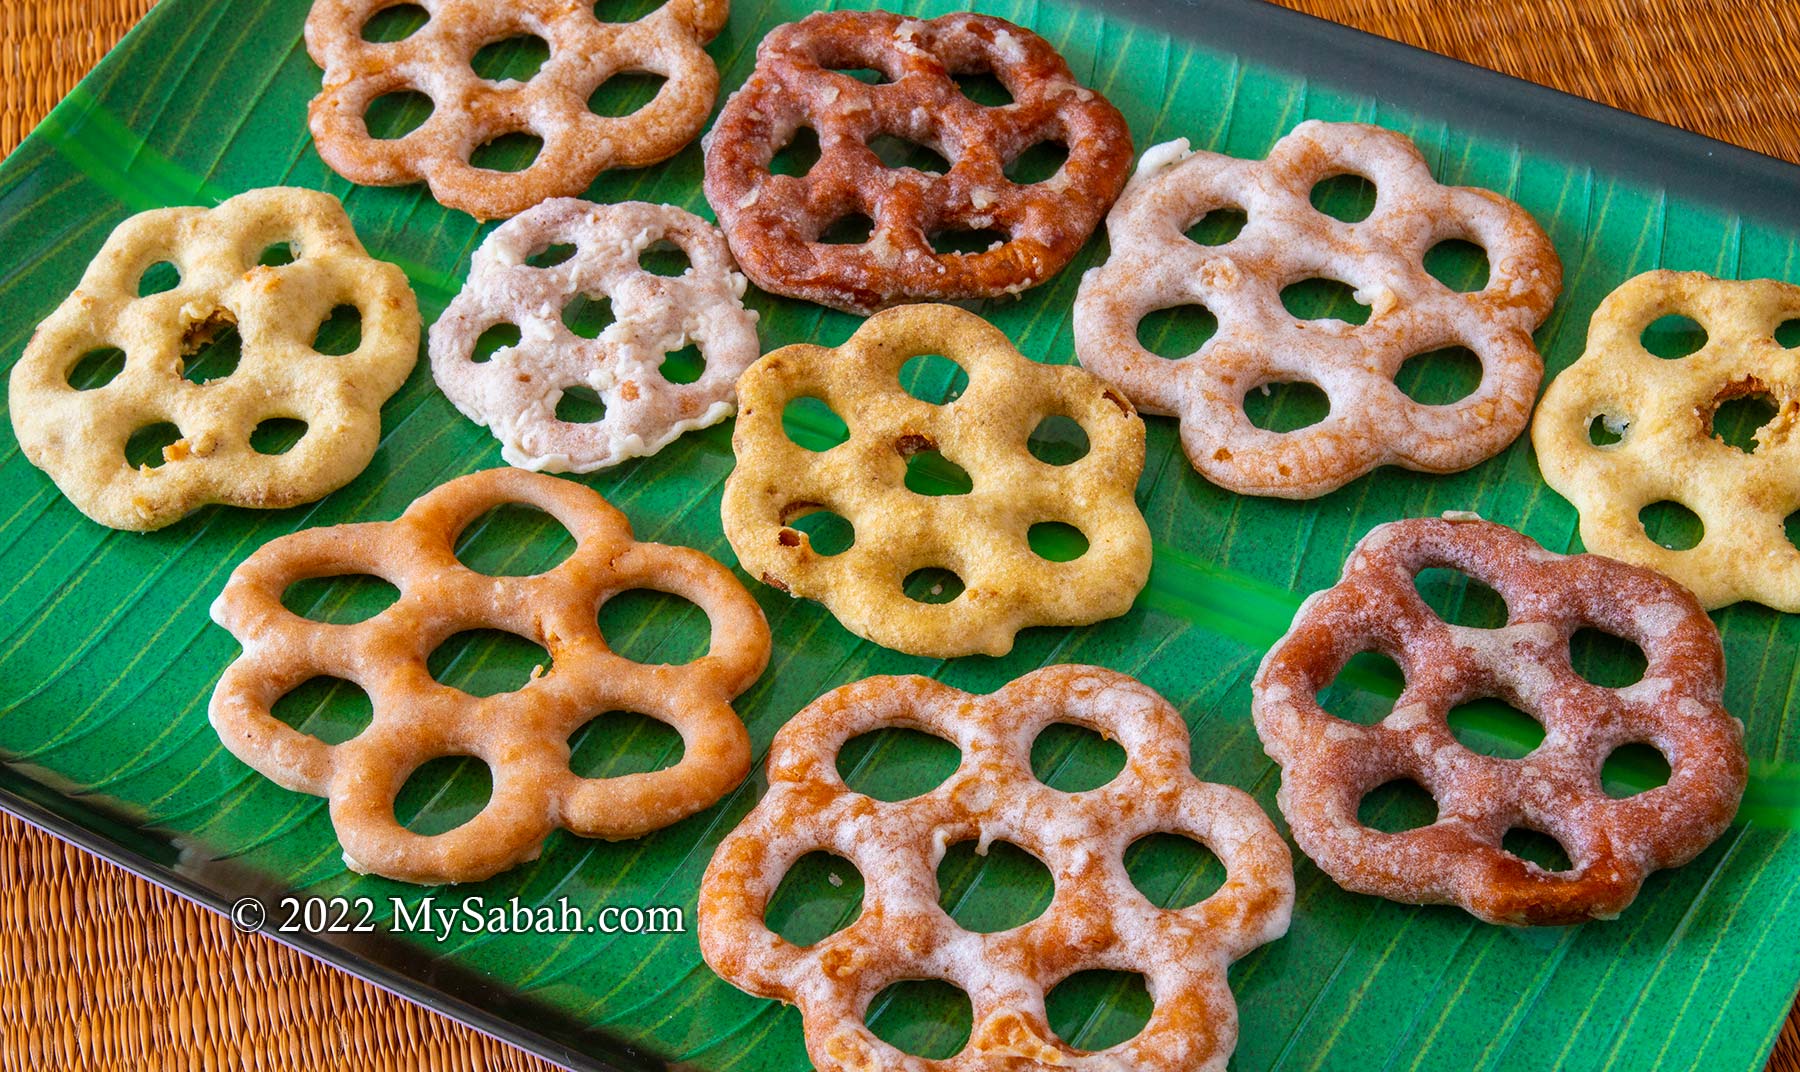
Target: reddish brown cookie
[
  {"x": 775, "y": 222},
  {"x": 1329, "y": 764}
]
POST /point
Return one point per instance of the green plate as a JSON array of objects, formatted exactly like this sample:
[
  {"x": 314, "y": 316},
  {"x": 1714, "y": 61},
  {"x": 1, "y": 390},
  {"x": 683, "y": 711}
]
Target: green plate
[{"x": 107, "y": 657}]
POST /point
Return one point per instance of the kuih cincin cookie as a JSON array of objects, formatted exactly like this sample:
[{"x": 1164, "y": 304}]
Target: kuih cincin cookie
[
  {"x": 895, "y": 482},
  {"x": 523, "y": 735},
  {"x": 1623, "y": 429},
  {"x": 1097, "y": 919},
  {"x": 1260, "y": 343},
  {"x": 272, "y": 266}
]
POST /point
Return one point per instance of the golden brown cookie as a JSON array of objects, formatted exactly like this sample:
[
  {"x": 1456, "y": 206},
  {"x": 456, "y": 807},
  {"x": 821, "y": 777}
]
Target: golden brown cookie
[
  {"x": 1098, "y": 919},
  {"x": 980, "y": 534},
  {"x": 523, "y": 736},
  {"x": 468, "y": 111},
  {"x": 79, "y": 435}
]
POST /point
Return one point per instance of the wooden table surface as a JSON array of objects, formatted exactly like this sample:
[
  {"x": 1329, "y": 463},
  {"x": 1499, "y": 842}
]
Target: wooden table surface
[{"x": 100, "y": 969}]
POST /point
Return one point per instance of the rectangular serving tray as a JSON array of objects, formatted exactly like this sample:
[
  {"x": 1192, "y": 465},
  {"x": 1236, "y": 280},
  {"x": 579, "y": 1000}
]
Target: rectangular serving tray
[{"x": 107, "y": 657}]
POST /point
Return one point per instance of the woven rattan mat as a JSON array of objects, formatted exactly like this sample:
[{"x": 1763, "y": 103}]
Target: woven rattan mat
[{"x": 101, "y": 970}]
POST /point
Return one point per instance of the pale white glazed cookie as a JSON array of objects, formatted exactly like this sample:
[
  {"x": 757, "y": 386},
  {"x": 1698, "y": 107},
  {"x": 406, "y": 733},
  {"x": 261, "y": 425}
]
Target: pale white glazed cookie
[
  {"x": 1286, "y": 240},
  {"x": 515, "y": 392}
]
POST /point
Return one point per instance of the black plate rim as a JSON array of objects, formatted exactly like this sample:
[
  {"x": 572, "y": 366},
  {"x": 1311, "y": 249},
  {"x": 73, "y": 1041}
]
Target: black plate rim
[{"x": 1598, "y": 136}]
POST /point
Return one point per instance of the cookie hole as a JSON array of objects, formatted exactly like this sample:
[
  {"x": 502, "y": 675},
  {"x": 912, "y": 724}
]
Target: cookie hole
[
  {"x": 1612, "y": 662},
  {"x": 339, "y": 333},
  {"x": 487, "y": 662},
  {"x": 1737, "y": 421},
  {"x": 931, "y": 1018},
  {"x": 580, "y": 404},
  {"x": 1605, "y": 430},
  {"x": 159, "y": 278},
  {"x": 898, "y": 152},
  {"x": 493, "y": 340},
  {"x": 827, "y": 533},
  {"x": 932, "y": 585},
  {"x": 212, "y": 351},
  {"x": 97, "y": 368},
  {"x": 513, "y": 540},
  {"x": 327, "y": 709},
  {"x": 852, "y": 230},
  {"x": 1056, "y": 541},
  {"x": 551, "y": 255},
  {"x": 1173, "y": 871},
  {"x": 1634, "y": 768},
  {"x": 344, "y": 599},
  {"x": 1218, "y": 226},
  {"x": 1364, "y": 689},
  {"x": 1460, "y": 599},
  {"x": 618, "y": 12},
  {"x": 1320, "y": 298},
  {"x": 1178, "y": 331},
  {"x": 934, "y": 379},
  {"x": 1440, "y": 377},
  {"x": 1458, "y": 264},
  {"x": 798, "y": 155},
  {"x": 518, "y": 58},
  {"x": 1075, "y": 759},
  {"x": 1791, "y": 528},
  {"x": 654, "y": 628},
  {"x": 1672, "y": 525},
  {"x": 395, "y": 23},
  {"x": 1673, "y": 337},
  {"x": 1058, "y": 440},
  {"x": 1537, "y": 847},
  {"x": 1787, "y": 333},
  {"x": 895, "y": 763},
  {"x": 278, "y": 255},
  {"x": 868, "y": 76},
  {"x": 443, "y": 794},
  {"x": 625, "y": 93},
  {"x": 618, "y": 743},
  {"x": 1492, "y": 727},
  {"x": 928, "y": 472},
  {"x": 983, "y": 88},
  {"x": 998, "y": 889},
  {"x": 1286, "y": 406},
  {"x": 277, "y": 435},
  {"x": 147, "y": 446},
  {"x": 685, "y": 365},
  {"x": 397, "y": 114},
  {"x": 507, "y": 153},
  {"x": 821, "y": 894},
  {"x": 1348, "y": 197},
  {"x": 586, "y": 317},
  {"x": 1396, "y": 807},
  {"x": 1098, "y": 1009},
  {"x": 1038, "y": 163},
  {"x": 959, "y": 242},
  {"x": 664, "y": 258},
  {"x": 811, "y": 424}
]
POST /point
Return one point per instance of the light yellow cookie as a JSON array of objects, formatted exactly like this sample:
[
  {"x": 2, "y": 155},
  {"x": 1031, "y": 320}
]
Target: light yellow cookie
[
  {"x": 1660, "y": 412},
  {"x": 981, "y": 535},
  {"x": 79, "y": 436}
]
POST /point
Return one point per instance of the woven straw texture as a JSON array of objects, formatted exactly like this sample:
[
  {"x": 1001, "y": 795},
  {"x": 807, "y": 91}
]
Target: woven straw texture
[{"x": 101, "y": 970}]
